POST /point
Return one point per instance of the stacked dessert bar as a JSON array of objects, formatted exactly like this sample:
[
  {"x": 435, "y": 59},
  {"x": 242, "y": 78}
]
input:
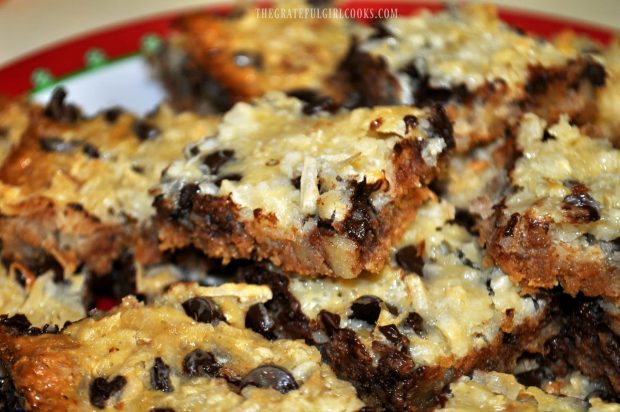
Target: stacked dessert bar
[{"x": 419, "y": 214}]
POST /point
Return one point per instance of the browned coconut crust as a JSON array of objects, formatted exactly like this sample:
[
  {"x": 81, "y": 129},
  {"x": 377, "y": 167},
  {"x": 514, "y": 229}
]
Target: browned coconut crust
[
  {"x": 213, "y": 225},
  {"x": 523, "y": 246}
]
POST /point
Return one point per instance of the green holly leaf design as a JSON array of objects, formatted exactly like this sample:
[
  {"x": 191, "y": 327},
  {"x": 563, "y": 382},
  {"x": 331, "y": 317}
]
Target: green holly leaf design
[
  {"x": 41, "y": 78},
  {"x": 150, "y": 43},
  {"x": 95, "y": 58}
]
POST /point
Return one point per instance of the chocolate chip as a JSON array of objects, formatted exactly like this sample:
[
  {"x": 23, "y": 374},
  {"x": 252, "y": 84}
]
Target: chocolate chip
[
  {"x": 490, "y": 290},
  {"x": 509, "y": 339},
  {"x": 425, "y": 95},
  {"x": 18, "y": 323},
  {"x": 186, "y": 197},
  {"x": 466, "y": 220},
  {"x": 259, "y": 320},
  {"x": 535, "y": 377},
  {"x": 145, "y": 131},
  {"x": 464, "y": 259},
  {"x": 360, "y": 224},
  {"x": 398, "y": 365},
  {"x": 90, "y": 150},
  {"x": 4, "y": 132},
  {"x": 203, "y": 309},
  {"x": 138, "y": 169},
  {"x": 233, "y": 177},
  {"x": 320, "y": 104},
  {"x": 280, "y": 317},
  {"x": 380, "y": 30},
  {"x": 595, "y": 73},
  {"x": 161, "y": 410},
  {"x": 305, "y": 95},
  {"x": 314, "y": 102},
  {"x": 366, "y": 308},
  {"x": 101, "y": 390},
  {"x": 411, "y": 122},
  {"x": 296, "y": 182},
  {"x": 57, "y": 109},
  {"x": 21, "y": 278},
  {"x": 200, "y": 363},
  {"x": 112, "y": 114},
  {"x": 10, "y": 399},
  {"x": 330, "y": 322},
  {"x": 217, "y": 159},
  {"x": 606, "y": 394},
  {"x": 55, "y": 144},
  {"x": 270, "y": 376},
  {"x": 547, "y": 136},
  {"x": 51, "y": 329},
  {"x": 581, "y": 208},
  {"x": 441, "y": 126},
  {"x": 512, "y": 223},
  {"x": 119, "y": 282},
  {"x": 589, "y": 238},
  {"x": 351, "y": 359},
  {"x": 160, "y": 376},
  {"x": 407, "y": 258},
  {"x": 538, "y": 81},
  {"x": 75, "y": 206},
  {"x": 194, "y": 150},
  {"x": 392, "y": 334},
  {"x": 416, "y": 323},
  {"x": 248, "y": 59}
]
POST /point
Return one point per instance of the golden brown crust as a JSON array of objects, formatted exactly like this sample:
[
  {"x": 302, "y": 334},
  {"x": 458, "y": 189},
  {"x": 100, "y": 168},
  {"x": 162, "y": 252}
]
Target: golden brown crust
[
  {"x": 40, "y": 228},
  {"x": 46, "y": 374},
  {"x": 218, "y": 231}
]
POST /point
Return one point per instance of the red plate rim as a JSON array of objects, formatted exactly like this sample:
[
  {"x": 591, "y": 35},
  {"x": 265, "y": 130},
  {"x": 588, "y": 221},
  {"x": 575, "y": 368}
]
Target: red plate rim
[{"x": 120, "y": 40}]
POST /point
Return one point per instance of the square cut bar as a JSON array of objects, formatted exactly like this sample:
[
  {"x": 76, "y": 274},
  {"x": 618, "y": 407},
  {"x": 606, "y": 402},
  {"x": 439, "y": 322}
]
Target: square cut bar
[
  {"x": 400, "y": 336},
  {"x": 211, "y": 61},
  {"x": 487, "y": 73},
  {"x": 187, "y": 351},
  {"x": 75, "y": 191},
  {"x": 559, "y": 223},
  {"x": 320, "y": 194}
]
